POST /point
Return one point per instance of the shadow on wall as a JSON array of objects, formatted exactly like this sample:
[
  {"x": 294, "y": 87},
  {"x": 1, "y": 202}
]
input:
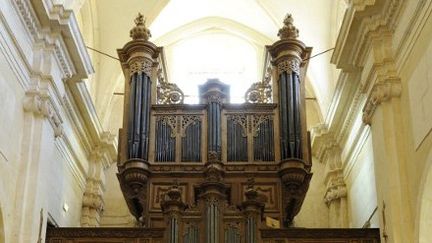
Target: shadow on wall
[{"x": 424, "y": 214}]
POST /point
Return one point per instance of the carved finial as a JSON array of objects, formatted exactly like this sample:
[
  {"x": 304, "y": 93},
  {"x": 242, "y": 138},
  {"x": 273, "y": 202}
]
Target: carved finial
[
  {"x": 250, "y": 183},
  {"x": 140, "y": 31},
  {"x": 288, "y": 31}
]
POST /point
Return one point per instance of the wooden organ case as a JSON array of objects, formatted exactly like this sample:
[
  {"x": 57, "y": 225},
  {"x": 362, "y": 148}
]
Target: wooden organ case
[{"x": 211, "y": 172}]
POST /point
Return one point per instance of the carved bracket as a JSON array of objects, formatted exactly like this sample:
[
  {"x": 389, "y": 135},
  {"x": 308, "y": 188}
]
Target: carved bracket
[
  {"x": 380, "y": 92},
  {"x": 40, "y": 104}
]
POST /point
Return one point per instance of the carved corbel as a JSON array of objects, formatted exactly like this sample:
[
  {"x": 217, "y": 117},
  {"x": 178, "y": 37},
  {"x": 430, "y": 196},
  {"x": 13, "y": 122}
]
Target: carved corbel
[
  {"x": 40, "y": 105},
  {"x": 380, "y": 93},
  {"x": 92, "y": 204}
]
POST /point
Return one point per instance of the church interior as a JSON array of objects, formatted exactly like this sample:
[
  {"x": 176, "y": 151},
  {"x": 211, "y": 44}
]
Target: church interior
[{"x": 187, "y": 121}]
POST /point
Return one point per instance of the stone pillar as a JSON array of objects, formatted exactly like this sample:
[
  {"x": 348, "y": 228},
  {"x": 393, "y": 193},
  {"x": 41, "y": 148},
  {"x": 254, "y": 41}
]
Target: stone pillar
[
  {"x": 138, "y": 59},
  {"x": 382, "y": 112},
  {"x": 287, "y": 56}
]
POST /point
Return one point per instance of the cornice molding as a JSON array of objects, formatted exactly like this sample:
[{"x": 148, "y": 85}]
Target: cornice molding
[
  {"x": 363, "y": 19},
  {"x": 45, "y": 39}
]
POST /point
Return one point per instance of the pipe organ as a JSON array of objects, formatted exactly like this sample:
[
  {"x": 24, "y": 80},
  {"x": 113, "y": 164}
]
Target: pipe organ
[{"x": 213, "y": 171}]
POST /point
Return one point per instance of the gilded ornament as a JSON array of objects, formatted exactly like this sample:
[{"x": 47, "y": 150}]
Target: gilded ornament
[
  {"x": 260, "y": 92},
  {"x": 168, "y": 93},
  {"x": 140, "y": 31},
  {"x": 288, "y": 31}
]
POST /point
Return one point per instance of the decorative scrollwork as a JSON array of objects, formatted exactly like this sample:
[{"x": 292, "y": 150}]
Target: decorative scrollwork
[
  {"x": 168, "y": 93},
  {"x": 260, "y": 92}
]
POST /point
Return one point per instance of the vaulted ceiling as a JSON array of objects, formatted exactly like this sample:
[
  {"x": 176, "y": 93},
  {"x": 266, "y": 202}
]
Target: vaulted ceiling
[{"x": 105, "y": 26}]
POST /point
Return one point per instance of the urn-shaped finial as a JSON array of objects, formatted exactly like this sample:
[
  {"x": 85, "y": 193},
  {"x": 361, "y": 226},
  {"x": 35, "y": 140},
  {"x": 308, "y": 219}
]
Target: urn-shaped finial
[
  {"x": 288, "y": 31},
  {"x": 140, "y": 31}
]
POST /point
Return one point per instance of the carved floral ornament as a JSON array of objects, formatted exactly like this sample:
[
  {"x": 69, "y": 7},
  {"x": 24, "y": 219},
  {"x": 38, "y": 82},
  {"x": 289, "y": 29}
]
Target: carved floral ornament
[
  {"x": 289, "y": 65},
  {"x": 141, "y": 64},
  {"x": 168, "y": 93},
  {"x": 260, "y": 92},
  {"x": 178, "y": 123},
  {"x": 249, "y": 123}
]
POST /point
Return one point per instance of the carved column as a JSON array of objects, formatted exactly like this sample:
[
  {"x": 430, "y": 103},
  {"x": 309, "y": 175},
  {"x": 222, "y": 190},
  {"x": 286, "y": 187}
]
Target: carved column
[
  {"x": 138, "y": 60},
  {"x": 252, "y": 209},
  {"x": 172, "y": 208},
  {"x": 214, "y": 93},
  {"x": 287, "y": 56},
  {"x": 212, "y": 193},
  {"x": 382, "y": 112}
]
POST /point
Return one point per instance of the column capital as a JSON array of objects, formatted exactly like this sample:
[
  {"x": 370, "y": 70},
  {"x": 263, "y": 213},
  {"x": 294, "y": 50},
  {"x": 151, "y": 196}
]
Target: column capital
[
  {"x": 381, "y": 92},
  {"x": 39, "y": 103}
]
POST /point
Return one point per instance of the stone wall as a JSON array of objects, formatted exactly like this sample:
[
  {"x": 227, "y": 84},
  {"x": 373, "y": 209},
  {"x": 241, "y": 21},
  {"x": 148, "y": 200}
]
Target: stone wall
[{"x": 53, "y": 151}]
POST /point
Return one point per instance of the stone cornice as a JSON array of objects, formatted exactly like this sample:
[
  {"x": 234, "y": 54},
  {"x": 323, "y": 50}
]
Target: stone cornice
[{"x": 361, "y": 20}]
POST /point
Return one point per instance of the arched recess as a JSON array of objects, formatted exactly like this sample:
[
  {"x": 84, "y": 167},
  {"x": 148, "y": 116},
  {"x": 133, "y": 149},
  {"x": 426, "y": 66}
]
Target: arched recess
[
  {"x": 218, "y": 24},
  {"x": 424, "y": 213}
]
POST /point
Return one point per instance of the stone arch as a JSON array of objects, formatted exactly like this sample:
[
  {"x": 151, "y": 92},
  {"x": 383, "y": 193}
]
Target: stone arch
[{"x": 424, "y": 212}]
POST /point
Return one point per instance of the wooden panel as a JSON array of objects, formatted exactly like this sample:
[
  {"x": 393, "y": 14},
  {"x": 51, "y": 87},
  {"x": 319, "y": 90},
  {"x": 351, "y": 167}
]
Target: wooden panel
[
  {"x": 321, "y": 235},
  {"x": 104, "y": 235},
  {"x": 158, "y": 189},
  {"x": 268, "y": 192}
]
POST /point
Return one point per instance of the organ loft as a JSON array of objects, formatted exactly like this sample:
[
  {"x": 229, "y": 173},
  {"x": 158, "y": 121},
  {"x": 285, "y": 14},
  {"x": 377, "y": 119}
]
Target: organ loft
[{"x": 214, "y": 171}]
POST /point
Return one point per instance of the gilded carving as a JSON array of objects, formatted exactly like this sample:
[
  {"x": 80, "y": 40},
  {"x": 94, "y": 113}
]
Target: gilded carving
[
  {"x": 289, "y": 65},
  {"x": 141, "y": 64},
  {"x": 168, "y": 93},
  {"x": 288, "y": 31},
  {"x": 260, "y": 92},
  {"x": 140, "y": 31}
]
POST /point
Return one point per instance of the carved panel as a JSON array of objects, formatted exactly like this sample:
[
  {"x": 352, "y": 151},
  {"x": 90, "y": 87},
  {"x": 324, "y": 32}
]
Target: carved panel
[
  {"x": 157, "y": 190},
  {"x": 267, "y": 192}
]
